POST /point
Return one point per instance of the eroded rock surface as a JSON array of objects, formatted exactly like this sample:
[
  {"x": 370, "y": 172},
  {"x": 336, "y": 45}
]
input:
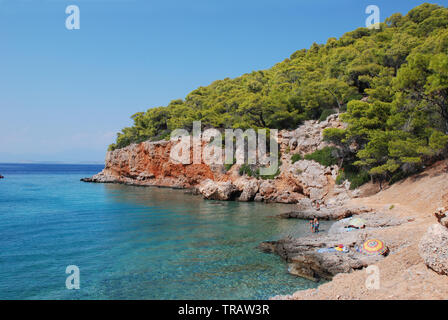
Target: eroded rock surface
[
  {"x": 325, "y": 213},
  {"x": 304, "y": 260},
  {"x": 212, "y": 190},
  {"x": 149, "y": 163},
  {"x": 433, "y": 248}
]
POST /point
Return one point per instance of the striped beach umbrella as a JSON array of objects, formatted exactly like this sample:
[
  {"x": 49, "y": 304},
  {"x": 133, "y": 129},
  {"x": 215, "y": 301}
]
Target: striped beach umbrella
[{"x": 373, "y": 247}]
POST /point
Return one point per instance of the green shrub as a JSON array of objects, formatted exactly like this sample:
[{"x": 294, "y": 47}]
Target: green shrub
[
  {"x": 227, "y": 166},
  {"x": 296, "y": 157},
  {"x": 324, "y": 115},
  {"x": 324, "y": 156},
  {"x": 359, "y": 179},
  {"x": 246, "y": 169},
  {"x": 267, "y": 177},
  {"x": 340, "y": 178},
  {"x": 336, "y": 135},
  {"x": 356, "y": 176}
]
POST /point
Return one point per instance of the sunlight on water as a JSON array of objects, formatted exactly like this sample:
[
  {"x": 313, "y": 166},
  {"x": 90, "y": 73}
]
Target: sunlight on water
[{"x": 134, "y": 242}]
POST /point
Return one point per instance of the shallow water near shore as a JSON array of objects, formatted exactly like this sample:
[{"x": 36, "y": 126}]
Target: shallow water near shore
[{"x": 134, "y": 242}]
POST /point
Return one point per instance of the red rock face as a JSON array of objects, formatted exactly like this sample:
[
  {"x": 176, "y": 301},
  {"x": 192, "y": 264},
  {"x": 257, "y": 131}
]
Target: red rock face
[{"x": 149, "y": 163}]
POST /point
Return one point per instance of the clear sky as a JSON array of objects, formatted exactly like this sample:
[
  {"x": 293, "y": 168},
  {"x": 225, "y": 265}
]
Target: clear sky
[{"x": 64, "y": 94}]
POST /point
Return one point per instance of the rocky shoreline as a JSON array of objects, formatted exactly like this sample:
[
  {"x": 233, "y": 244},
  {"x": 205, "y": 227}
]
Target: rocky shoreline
[
  {"x": 308, "y": 186},
  {"x": 336, "y": 212},
  {"x": 403, "y": 217},
  {"x": 302, "y": 181},
  {"x": 303, "y": 256}
]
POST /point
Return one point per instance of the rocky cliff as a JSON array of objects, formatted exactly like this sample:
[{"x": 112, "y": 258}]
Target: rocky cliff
[{"x": 149, "y": 163}]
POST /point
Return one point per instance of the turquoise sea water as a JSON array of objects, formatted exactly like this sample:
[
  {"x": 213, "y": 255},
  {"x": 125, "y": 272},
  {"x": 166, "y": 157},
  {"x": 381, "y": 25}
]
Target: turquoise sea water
[{"x": 133, "y": 242}]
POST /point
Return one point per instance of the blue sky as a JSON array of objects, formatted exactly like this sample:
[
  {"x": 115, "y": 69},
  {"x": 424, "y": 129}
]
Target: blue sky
[{"x": 64, "y": 94}]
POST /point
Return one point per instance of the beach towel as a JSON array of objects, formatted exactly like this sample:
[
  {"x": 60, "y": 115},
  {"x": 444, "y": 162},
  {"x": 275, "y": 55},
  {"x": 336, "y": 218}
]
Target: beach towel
[{"x": 323, "y": 250}]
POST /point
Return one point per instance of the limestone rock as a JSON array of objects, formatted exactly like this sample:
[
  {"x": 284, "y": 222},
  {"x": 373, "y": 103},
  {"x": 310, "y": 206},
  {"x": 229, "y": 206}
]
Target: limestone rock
[
  {"x": 308, "y": 137},
  {"x": 258, "y": 197},
  {"x": 217, "y": 190},
  {"x": 442, "y": 216},
  {"x": 267, "y": 188},
  {"x": 305, "y": 260},
  {"x": 304, "y": 204},
  {"x": 149, "y": 163},
  {"x": 327, "y": 213},
  {"x": 433, "y": 248},
  {"x": 248, "y": 188}
]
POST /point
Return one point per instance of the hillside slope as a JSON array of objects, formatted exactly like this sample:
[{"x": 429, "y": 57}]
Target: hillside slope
[
  {"x": 403, "y": 274},
  {"x": 400, "y": 71}
]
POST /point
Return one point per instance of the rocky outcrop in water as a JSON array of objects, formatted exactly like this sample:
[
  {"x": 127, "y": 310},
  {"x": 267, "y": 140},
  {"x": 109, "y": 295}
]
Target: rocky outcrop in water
[{"x": 149, "y": 164}]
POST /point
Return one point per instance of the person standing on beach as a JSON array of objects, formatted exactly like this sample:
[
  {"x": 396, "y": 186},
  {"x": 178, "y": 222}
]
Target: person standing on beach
[
  {"x": 316, "y": 225},
  {"x": 312, "y": 226}
]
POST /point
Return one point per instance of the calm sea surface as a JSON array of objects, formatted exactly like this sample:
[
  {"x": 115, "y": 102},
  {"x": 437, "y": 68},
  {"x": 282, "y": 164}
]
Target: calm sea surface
[{"x": 133, "y": 242}]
